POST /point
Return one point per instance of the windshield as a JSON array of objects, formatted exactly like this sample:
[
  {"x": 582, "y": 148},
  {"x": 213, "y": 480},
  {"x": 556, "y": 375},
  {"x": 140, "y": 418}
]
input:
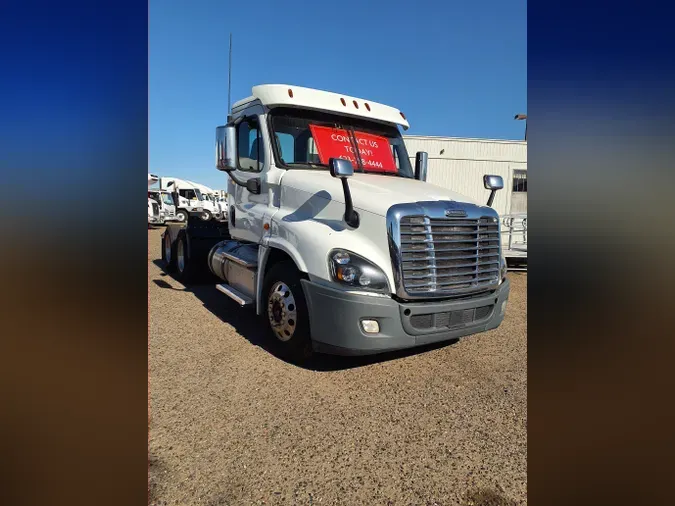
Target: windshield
[
  {"x": 167, "y": 199},
  {"x": 308, "y": 139},
  {"x": 199, "y": 194}
]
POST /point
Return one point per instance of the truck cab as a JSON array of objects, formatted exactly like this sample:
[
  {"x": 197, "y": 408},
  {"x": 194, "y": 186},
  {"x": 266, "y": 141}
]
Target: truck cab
[
  {"x": 209, "y": 200},
  {"x": 335, "y": 237},
  {"x": 167, "y": 207},
  {"x": 154, "y": 214}
]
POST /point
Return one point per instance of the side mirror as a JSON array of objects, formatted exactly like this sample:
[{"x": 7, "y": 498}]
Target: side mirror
[
  {"x": 226, "y": 148},
  {"x": 492, "y": 183},
  {"x": 421, "y": 162},
  {"x": 344, "y": 169},
  {"x": 340, "y": 168}
]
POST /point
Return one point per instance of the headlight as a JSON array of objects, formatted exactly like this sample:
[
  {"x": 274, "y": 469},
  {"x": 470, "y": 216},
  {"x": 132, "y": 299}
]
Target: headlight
[
  {"x": 502, "y": 269},
  {"x": 355, "y": 271}
]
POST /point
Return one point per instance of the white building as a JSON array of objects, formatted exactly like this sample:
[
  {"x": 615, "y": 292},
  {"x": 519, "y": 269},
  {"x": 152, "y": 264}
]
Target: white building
[{"x": 460, "y": 164}]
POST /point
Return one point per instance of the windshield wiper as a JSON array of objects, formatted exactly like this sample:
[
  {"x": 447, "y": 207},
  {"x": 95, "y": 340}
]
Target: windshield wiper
[
  {"x": 355, "y": 147},
  {"x": 308, "y": 164}
]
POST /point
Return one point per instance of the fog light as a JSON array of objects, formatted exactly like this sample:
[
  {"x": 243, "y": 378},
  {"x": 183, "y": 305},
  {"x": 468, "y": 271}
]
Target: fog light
[
  {"x": 502, "y": 309},
  {"x": 370, "y": 326}
]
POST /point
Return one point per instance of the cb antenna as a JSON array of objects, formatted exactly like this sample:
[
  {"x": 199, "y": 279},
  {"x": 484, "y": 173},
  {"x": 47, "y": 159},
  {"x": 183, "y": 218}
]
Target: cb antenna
[{"x": 229, "y": 78}]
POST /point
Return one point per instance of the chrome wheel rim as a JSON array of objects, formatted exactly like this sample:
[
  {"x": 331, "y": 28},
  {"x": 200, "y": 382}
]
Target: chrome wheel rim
[
  {"x": 180, "y": 256},
  {"x": 282, "y": 311},
  {"x": 206, "y": 216},
  {"x": 167, "y": 248},
  {"x": 181, "y": 216}
]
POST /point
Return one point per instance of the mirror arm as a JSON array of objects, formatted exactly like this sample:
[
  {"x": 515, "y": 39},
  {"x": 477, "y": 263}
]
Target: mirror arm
[
  {"x": 491, "y": 198},
  {"x": 351, "y": 216},
  {"x": 238, "y": 181}
]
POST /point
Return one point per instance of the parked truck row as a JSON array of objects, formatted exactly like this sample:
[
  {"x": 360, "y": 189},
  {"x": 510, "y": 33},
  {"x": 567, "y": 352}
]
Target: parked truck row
[
  {"x": 333, "y": 238},
  {"x": 176, "y": 199}
]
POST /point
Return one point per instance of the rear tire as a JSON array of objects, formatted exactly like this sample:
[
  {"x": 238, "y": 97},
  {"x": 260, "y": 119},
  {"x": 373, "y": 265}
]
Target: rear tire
[
  {"x": 285, "y": 311},
  {"x": 168, "y": 252},
  {"x": 185, "y": 268}
]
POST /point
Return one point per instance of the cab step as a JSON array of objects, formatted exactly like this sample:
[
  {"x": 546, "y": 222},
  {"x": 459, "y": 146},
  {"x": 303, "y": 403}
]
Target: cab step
[{"x": 234, "y": 294}]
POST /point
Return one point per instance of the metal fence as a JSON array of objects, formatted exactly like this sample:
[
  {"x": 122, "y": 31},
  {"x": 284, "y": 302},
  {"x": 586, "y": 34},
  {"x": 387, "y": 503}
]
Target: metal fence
[{"x": 514, "y": 239}]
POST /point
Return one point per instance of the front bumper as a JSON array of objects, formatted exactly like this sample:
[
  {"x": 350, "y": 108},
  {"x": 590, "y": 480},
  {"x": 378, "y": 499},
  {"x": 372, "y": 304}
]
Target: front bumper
[{"x": 335, "y": 319}]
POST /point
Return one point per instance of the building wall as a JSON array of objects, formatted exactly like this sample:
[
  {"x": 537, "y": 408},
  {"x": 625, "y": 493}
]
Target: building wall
[{"x": 463, "y": 163}]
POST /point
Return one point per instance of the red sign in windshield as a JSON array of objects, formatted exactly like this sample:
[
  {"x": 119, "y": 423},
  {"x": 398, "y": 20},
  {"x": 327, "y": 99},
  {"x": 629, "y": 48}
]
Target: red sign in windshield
[{"x": 374, "y": 150}]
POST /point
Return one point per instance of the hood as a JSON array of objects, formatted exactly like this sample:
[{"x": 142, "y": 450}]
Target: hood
[{"x": 374, "y": 193}]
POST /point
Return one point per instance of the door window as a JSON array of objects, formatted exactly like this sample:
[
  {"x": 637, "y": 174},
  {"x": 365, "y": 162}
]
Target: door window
[
  {"x": 250, "y": 146},
  {"x": 188, "y": 194}
]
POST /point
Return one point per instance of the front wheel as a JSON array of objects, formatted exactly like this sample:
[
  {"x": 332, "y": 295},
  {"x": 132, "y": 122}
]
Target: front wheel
[
  {"x": 286, "y": 312},
  {"x": 181, "y": 215}
]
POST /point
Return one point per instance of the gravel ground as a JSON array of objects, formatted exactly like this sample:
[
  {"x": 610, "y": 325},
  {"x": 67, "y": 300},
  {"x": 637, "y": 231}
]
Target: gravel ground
[{"x": 230, "y": 423}]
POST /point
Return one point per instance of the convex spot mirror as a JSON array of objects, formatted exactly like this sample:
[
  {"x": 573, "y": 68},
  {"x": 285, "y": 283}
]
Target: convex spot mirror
[
  {"x": 340, "y": 168},
  {"x": 493, "y": 182}
]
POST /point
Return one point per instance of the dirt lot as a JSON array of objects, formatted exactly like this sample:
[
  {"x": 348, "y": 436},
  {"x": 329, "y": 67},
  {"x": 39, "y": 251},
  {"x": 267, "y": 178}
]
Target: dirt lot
[{"x": 231, "y": 423}]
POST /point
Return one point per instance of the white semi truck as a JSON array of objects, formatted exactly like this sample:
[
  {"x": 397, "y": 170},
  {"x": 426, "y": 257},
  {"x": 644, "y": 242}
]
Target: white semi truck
[
  {"x": 339, "y": 244},
  {"x": 189, "y": 199}
]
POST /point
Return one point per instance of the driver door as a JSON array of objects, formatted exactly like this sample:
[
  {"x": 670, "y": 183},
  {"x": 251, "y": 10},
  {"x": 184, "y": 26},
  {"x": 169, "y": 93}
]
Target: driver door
[{"x": 247, "y": 208}]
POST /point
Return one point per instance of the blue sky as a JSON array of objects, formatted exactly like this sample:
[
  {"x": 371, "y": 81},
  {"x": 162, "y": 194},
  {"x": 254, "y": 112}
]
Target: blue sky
[{"x": 455, "y": 69}]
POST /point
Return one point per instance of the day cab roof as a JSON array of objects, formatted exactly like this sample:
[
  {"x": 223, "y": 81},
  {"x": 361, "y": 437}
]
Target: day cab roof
[{"x": 285, "y": 95}]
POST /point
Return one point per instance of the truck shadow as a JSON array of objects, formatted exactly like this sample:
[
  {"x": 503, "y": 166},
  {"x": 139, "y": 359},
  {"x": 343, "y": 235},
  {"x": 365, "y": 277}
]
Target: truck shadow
[{"x": 253, "y": 328}]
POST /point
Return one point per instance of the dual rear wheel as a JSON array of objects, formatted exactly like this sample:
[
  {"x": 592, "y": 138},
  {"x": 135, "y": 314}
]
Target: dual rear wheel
[{"x": 176, "y": 257}]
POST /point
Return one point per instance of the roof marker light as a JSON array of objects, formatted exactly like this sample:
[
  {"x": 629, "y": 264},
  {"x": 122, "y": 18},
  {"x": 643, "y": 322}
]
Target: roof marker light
[
  {"x": 290, "y": 92},
  {"x": 355, "y": 104},
  {"x": 367, "y": 106},
  {"x": 402, "y": 115},
  {"x": 343, "y": 101}
]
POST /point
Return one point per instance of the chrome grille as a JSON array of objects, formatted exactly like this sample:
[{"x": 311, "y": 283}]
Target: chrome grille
[
  {"x": 155, "y": 209},
  {"x": 445, "y": 256}
]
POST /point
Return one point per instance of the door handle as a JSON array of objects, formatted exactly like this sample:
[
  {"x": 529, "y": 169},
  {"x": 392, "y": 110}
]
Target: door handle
[{"x": 253, "y": 185}]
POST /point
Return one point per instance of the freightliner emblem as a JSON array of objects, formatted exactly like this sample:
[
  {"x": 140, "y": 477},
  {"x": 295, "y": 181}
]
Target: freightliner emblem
[{"x": 453, "y": 213}]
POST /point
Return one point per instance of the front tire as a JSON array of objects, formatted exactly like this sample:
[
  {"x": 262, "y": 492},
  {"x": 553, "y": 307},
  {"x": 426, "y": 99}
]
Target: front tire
[
  {"x": 205, "y": 215},
  {"x": 181, "y": 215},
  {"x": 286, "y": 312}
]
